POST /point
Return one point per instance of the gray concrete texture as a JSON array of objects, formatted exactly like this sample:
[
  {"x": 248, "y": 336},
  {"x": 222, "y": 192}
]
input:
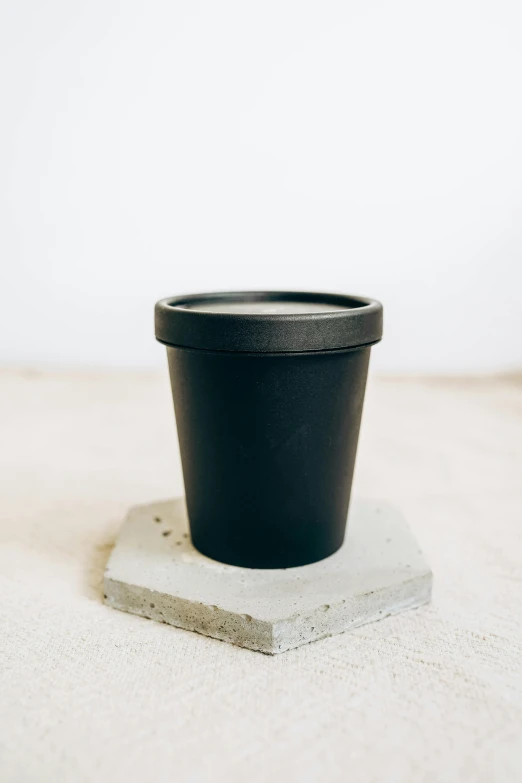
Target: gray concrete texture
[{"x": 155, "y": 572}]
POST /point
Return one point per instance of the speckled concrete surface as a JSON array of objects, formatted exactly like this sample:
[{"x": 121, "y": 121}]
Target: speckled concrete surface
[{"x": 155, "y": 572}]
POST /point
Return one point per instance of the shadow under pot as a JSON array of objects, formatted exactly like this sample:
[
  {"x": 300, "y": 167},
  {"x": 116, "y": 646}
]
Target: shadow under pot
[{"x": 268, "y": 392}]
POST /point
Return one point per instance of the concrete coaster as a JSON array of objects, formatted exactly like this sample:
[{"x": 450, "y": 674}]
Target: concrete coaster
[{"x": 154, "y": 571}]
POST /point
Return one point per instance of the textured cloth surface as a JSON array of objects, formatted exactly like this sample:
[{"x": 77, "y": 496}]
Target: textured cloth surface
[{"x": 91, "y": 694}]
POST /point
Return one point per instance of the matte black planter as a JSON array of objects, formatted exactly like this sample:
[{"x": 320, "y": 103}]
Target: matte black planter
[{"x": 268, "y": 391}]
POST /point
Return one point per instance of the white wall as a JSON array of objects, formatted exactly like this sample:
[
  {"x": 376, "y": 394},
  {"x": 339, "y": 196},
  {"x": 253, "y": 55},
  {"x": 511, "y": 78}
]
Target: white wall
[{"x": 151, "y": 147}]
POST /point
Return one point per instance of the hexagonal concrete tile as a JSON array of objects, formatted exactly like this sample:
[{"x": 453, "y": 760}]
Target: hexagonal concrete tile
[{"x": 154, "y": 571}]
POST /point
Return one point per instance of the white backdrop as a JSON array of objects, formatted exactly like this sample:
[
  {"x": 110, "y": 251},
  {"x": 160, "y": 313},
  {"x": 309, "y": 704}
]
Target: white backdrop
[{"x": 152, "y": 147}]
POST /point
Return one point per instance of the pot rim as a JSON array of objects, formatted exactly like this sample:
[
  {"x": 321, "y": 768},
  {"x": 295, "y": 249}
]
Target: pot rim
[{"x": 178, "y": 322}]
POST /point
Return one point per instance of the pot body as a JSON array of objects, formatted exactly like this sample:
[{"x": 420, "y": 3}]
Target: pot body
[{"x": 268, "y": 444}]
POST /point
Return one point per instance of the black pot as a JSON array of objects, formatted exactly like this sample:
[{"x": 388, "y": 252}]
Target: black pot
[{"x": 268, "y": 391}]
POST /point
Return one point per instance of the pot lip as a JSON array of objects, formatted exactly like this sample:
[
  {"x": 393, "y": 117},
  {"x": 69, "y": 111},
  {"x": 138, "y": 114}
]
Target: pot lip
[{"x": 358, "y": 324}]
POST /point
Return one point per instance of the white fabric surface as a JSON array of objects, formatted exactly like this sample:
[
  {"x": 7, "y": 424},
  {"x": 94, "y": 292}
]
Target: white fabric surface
[{"x": 90, "y": 694}]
